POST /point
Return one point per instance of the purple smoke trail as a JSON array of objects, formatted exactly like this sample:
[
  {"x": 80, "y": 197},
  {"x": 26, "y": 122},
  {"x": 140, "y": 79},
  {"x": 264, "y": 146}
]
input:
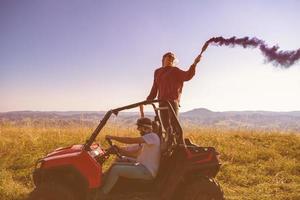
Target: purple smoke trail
[{"x": 284, "y": 59}]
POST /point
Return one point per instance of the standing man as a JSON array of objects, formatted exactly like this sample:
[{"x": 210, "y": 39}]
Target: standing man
[{"x": 168, "y": 84}]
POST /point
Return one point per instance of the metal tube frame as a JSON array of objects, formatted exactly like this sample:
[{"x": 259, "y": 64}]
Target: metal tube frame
[{"x": 179, "y": 133}]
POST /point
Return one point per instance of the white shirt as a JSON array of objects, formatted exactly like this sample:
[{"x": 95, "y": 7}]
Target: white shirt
[{"x": 149, "y": 155}]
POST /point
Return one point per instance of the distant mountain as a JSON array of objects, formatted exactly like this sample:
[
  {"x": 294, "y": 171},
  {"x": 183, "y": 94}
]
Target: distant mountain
[
  {"x": 199, "y": 112},
  {"x": 285, "y": 121}
]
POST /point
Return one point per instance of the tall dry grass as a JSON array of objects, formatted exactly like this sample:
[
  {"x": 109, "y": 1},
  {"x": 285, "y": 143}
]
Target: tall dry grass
[{"x": 256, "y": 164}]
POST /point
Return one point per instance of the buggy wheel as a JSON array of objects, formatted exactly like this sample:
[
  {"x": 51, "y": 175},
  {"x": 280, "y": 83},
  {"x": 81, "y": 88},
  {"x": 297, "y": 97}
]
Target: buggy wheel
[
  {"x": 203, "y": 189},
  {"x": 52, "y": 191}
]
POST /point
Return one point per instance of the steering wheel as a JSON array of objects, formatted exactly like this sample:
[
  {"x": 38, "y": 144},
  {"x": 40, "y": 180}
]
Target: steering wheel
[{"x": 114, "y": 148}]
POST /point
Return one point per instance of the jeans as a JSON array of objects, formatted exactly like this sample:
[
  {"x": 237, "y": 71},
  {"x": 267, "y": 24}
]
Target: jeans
[
  {"x": 126, "y": 170},
  {"x": 166, "y": 118}
]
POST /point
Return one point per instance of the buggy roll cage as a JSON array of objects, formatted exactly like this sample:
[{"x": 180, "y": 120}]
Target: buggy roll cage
[{"x": 177, "y": 128}]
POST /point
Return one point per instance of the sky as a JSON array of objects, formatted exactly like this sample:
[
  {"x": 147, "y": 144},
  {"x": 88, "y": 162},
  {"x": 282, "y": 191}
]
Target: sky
[{"x": 62, "y": 55}]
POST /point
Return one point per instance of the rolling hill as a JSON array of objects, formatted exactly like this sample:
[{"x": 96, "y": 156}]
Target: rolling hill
[{"x": 283, "y": 121}]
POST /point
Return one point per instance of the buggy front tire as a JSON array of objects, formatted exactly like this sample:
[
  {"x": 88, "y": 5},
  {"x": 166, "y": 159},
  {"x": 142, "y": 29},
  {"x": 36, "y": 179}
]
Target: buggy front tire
[{"x": 51, "y": 191}]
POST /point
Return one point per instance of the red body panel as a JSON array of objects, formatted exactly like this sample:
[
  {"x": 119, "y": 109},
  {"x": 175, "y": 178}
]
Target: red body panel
[
  {"x": 199, "y": 157},
  {"x": 65, "y": 150},
  {"x": 78, "y": 158}
]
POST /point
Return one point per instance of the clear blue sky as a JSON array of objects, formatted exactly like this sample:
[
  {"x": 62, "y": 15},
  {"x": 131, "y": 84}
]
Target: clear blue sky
[{"x": 96, "y": 55}]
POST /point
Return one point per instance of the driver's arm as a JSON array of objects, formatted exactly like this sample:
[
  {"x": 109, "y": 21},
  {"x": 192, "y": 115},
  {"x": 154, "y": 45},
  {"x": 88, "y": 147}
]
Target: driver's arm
[{"x": 127, "y": 140}]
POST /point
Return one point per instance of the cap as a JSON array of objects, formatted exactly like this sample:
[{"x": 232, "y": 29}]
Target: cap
[{"x": 145, "y": 122}]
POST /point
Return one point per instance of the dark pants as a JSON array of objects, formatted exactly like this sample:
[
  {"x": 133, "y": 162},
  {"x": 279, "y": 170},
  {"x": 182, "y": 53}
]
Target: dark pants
[{"x": 166, "y": 116}]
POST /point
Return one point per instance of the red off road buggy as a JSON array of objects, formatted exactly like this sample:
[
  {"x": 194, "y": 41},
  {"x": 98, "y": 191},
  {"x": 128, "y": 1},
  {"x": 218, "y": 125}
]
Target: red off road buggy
[{"x": 186, "y": 171}]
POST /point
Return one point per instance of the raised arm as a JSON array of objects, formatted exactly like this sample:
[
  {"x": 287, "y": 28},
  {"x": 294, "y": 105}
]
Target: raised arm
[{"x": 189, "y": 74}]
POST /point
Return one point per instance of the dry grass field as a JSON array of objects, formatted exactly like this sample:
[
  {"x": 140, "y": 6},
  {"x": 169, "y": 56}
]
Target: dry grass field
[{"x": 256, "y": 165}]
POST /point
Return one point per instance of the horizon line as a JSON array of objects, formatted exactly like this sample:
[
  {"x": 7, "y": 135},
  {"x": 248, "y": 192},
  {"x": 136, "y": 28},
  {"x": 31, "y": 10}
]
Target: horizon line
[{"x": 259, "y": 110}]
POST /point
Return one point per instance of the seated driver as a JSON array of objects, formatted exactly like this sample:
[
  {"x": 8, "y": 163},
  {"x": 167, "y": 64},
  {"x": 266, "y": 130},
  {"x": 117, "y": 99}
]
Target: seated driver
[{"x": 140, "y": 159}]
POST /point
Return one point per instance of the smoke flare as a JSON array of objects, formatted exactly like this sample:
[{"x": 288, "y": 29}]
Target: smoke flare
[{"x": 277, "y": 57}]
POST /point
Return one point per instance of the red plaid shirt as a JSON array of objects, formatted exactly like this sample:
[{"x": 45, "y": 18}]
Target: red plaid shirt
[{"x": 168, "y": 83}]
